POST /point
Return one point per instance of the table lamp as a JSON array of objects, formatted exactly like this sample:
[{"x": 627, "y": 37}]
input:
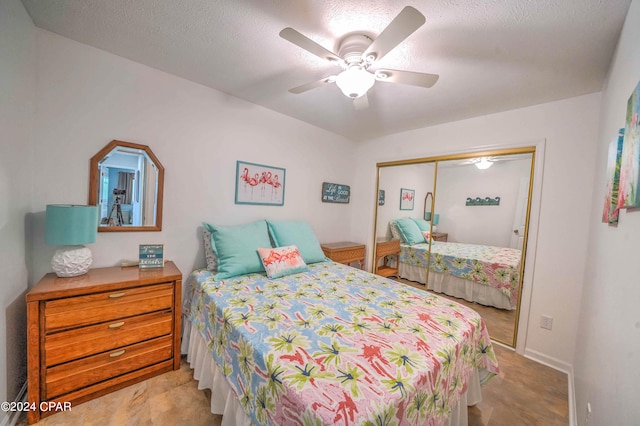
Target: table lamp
[
  {"x": 436, "y": 219},
  {"x": 71, "y": 226}
]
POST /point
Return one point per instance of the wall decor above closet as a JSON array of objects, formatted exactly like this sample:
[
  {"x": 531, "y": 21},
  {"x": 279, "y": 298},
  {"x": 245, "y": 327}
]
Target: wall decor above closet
[{"x": 483, "y": 201}]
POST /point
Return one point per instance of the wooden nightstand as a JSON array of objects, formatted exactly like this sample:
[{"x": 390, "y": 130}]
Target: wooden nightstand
[
  {"x": 345, "y": 252},
  {"x": 386, "y": 248},
  {"x": 99, "y": 332},
  {"x": 440, "y": 236}
]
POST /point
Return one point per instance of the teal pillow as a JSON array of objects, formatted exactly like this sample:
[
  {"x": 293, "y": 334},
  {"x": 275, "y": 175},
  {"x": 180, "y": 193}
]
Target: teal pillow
[
  {"x": 411, "y": 233},
  {"x": 297, "y": 234},
  {"x": 422, "y": 224},
  {"x": 236, "y": 248}
]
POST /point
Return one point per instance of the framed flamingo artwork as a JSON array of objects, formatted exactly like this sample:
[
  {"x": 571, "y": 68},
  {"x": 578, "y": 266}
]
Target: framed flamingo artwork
[
  {"x": 406, "y": 198},
  {"x": 259, "y": 184}
]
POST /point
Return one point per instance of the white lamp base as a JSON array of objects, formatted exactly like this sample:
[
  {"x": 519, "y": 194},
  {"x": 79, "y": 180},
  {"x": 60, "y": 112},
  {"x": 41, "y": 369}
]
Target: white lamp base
[{"x": 71, "y": 261}]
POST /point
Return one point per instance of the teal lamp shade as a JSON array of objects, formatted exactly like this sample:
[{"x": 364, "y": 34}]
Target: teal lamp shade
[
  {"x": 71, "y": 226},
  {"x": 436, "y": 219}
]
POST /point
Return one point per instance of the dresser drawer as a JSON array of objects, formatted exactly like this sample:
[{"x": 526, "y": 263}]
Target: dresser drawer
[
  {"x": 386, "y": 248},
  {"x": 100, "y": 332},
  {"x": 108, "y": 306},
  {"x": 84, "y": 341},
  {"x": 74, "y": 375}
]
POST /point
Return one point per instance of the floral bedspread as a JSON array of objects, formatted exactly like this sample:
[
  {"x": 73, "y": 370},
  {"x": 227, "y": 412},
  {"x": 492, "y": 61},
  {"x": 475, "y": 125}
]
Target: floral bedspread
[
  {"x": 338, "y": 346},
  {"x": 497, "y": 267}
]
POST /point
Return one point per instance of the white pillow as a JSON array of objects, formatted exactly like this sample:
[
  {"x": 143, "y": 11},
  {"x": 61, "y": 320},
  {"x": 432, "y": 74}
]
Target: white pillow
[
  {"x": 395, "y": 232},
  {"x": 209, "y": 254}
]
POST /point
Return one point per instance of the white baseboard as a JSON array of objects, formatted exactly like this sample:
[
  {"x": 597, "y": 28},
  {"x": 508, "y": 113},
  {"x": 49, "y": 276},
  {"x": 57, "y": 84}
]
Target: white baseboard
[
  {"x": 11, "y": 417},
  {"x": 562, "y": 366}
]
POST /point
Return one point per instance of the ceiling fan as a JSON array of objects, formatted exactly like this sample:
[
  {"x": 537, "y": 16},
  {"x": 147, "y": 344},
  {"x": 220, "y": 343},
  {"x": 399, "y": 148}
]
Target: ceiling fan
[{"x": 358, "y": 52}]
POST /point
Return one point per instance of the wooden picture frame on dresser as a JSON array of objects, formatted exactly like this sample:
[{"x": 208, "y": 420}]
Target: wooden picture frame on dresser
[{"x": 99, "y": 332}]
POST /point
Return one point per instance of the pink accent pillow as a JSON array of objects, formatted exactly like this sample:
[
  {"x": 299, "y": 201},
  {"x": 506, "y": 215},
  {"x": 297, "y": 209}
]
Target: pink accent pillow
[
  {"x": 427, "y": 235},
  {"x": 282, "y": 261}
]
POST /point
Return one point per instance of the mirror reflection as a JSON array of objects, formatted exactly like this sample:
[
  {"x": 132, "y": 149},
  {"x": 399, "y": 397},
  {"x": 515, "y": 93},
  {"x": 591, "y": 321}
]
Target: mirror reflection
[
  {"x": 126, "y": 185},
  {"x": 472, "y": 214}
]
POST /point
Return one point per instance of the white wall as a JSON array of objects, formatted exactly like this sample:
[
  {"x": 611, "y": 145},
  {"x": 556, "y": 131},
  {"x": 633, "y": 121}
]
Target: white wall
[
  {"x": 87, "y": 97},
  {"x": 17, "y": 102},
  {"x": 488, "y": 225},
  {"x": 570, "y": 129},
  {"x": 607, "y": 356}
]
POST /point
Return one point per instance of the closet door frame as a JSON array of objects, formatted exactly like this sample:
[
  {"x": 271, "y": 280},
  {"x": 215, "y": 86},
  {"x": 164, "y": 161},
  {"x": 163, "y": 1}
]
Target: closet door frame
[{"x": 533, "y": 207}]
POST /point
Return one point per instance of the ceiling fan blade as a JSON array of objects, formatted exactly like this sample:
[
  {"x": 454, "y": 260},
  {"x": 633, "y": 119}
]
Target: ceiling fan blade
[
  {"x": 312, "y": 85},
  {"x": 309, "y": 45},
  {"x": 402, "y": 26},
  {"x": 361, "y": 103},
  {"x": 407, "y": 77}
]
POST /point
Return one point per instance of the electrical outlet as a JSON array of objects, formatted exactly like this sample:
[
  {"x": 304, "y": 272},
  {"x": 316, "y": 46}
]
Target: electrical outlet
[{"x": 546, "y": 322}]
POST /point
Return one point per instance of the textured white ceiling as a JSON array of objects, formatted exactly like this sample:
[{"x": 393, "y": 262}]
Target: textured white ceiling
[{"x": 491, "y": 55}]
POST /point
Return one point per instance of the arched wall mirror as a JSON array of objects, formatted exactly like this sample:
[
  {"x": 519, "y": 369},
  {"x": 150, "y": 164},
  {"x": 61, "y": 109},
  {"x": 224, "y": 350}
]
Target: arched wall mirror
[
  {"x": 475, "y": 209},
  {"x": 126, "y": 182}
]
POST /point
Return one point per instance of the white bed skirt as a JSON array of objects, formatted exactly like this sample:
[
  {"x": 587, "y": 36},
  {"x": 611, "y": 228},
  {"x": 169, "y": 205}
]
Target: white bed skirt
[
  {"x": 456, "y": 287},
  {"x": 223, "y": 402}
]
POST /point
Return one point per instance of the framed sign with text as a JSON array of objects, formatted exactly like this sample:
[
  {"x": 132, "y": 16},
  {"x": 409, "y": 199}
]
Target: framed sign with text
[
  {"x": 335, "y": 193},
  {"x": 151, "y": 256}
]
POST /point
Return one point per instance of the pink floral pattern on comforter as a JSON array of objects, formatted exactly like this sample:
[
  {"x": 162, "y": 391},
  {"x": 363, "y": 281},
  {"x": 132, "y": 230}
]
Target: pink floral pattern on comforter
[
  {"x": 338, "y": 346},
  {"x": 498, "y": 267}
]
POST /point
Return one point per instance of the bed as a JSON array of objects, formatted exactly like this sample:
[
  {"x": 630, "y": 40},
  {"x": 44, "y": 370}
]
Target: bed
[
  {"x": 477, "y": 273},
  {"x": 333, "y": 345}
]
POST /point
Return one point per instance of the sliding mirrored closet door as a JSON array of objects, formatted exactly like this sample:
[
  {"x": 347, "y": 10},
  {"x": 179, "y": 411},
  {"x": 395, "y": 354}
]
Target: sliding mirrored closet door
[{"x": 472, "y": 211}]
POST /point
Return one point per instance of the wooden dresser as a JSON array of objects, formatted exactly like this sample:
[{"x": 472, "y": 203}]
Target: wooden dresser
[
  {"x": 99, "y": 332},
  {"x": 345, "y": 252},
  {"x": 440, "y": 236},
  {"x": 386, "y": 248}
]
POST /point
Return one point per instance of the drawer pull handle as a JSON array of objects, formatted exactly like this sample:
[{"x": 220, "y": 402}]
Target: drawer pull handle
[
  {"x": 116, "y": 295},
  {"x": 116, "y": 354},
  {"x": 116, "y": 324}
]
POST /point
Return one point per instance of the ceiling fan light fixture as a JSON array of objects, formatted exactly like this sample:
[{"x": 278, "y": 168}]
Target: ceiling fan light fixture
[
  {"x": 484, "y": 163},
  {"x": 355, "y": 81}
]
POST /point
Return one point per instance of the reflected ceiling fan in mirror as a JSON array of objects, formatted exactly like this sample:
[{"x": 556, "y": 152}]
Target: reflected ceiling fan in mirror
[
  {"x": 358, "y": 52},
  {"x": 484, "y": 163}
]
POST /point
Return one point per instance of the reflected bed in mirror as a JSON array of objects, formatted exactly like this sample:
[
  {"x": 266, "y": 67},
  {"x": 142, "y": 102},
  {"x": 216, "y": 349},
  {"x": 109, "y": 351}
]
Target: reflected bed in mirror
[
  {"x": 126, "y": 183},
  {"x": 477, "y": 254}
]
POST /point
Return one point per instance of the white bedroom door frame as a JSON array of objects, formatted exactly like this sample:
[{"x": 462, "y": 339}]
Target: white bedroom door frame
[{"x": 520, "y": 217}]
